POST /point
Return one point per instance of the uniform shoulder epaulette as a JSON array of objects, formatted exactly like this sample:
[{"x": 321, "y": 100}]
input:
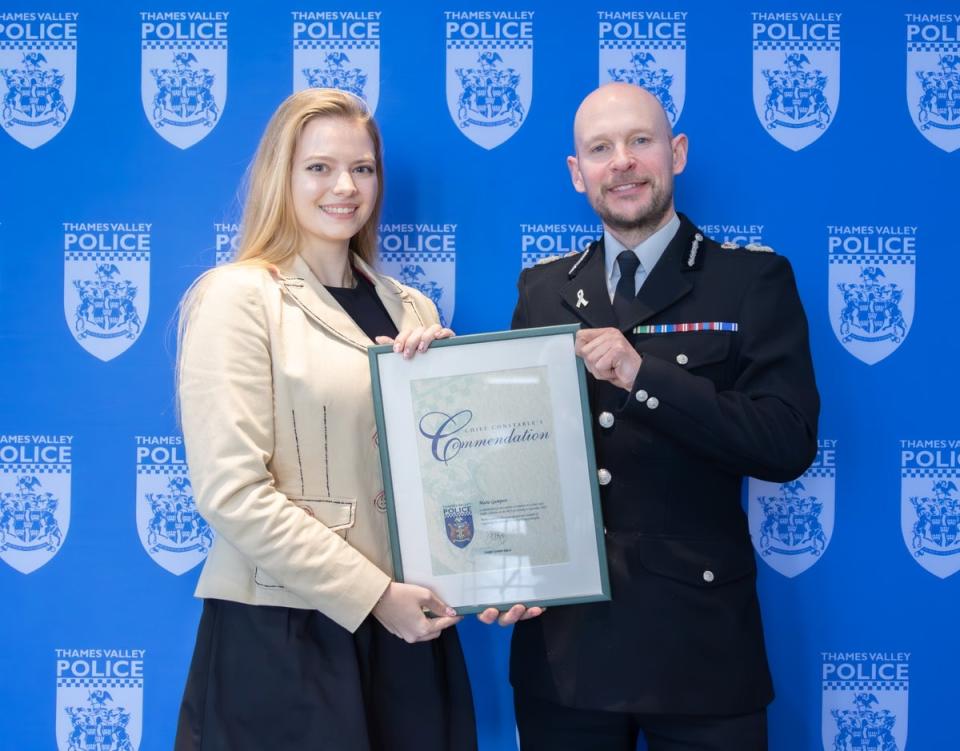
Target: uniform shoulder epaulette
[
  {"x": 752, "y": 247},
  {"x": 551, "y": 259}
]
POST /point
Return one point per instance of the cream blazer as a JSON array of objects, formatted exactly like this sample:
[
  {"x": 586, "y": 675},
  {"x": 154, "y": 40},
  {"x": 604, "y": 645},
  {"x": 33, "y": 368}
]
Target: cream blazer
[{"x": 281, "y": 442}]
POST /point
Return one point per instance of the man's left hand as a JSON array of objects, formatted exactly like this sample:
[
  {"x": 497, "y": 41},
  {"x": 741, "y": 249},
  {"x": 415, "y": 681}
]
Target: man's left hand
[
  {"x": 509, "y": 617},
  {"x": 608, "y": 356}
]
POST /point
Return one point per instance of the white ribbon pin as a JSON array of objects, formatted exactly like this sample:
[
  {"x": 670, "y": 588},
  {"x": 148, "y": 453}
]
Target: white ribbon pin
[{"x": 581, "y": 300}]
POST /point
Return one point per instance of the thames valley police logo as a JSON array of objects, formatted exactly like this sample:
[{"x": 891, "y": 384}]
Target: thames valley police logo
[
  {"x": 539, "y": 242},
  {"x": 930, "y": 504},
  {"x": 422, "y": 256},
  {"x": 183, "y": 73},
  {"x": 648, "y": 49},
  {"x": 171, "y": 529},
  {"x": 458, "y": 521},
  {"x": 933, "y": 77},
  {"x": 227, "y": 237},
  {"x": 796, "y": 74},
  {"x": 34, "y": 499},
  {"x": 99, "y": 699},
  {"x": 106, "y": 285},
  {"x": 865, "y": 701},
  {"x": 338, "y": 50},
  {"x": 38, "y": 74},
  {"x": 872, "y": 272},
  {"x": 489, "y": 73},
  {"x": 791, "y": 523}
]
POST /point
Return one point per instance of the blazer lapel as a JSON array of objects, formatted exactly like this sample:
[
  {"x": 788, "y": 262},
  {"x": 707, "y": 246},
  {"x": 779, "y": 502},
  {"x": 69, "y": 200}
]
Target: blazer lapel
[
  {"x": 586, "y": 294},
  {"x": 667, "y": 283}
]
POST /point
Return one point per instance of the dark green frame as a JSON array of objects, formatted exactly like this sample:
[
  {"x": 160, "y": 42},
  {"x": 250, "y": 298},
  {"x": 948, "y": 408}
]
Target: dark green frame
[{"x": 374, "y": 352}]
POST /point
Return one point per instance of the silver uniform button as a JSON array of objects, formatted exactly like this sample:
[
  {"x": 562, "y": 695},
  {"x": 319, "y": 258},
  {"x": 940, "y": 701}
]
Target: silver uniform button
[
  {"x": 642, "y": 395},
  {"x": 708, "y": 576},
  {"x": 682, "y": 359},
  {"x": 605, "y": 419},
  {"x": 653, "y": 402},
  {"x": 604, "y": 476}
]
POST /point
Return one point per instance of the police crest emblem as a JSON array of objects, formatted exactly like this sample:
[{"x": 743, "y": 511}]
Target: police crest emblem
[
  {"x": 791, "y": 523},
  {"x": 349, "y": 61},
  {"x": 99, "y": 714},
  {"x": 458, "y": 521},
  {"x": 183, "y": 82},
  {"x": 871, "y": 302},
  {"x": 106, "y": 299},
  {"x": 38, "y": 85},
  {"x": 656, "y": 62},
  {"x": 489, "y": 80},
  {"x": 431, "y": 272},
  {"x": 796, "y": 82},
  {"x": 933, "y": 80},
  {"x": 930, "y": 518},
  {"x": 171, "y": 529},
  {"x": 34, "y": 513}
]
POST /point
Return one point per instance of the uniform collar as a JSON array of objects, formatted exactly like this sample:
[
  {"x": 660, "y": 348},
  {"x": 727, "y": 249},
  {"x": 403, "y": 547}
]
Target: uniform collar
[{"x": 649, "y": 251}]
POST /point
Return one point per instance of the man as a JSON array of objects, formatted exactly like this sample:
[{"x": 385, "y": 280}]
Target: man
[{"x": 701, "y": 375}]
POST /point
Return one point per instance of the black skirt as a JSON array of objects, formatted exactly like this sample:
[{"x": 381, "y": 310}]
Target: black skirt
[{"x": 272, "y": 678}]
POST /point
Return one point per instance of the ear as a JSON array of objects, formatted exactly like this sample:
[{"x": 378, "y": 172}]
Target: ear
[
  {"x": 679, "y": 146},
  {"x": 575, "y": 177}
]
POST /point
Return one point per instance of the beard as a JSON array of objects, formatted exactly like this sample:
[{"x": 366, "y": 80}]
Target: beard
[{"x": 643, "y": 219}]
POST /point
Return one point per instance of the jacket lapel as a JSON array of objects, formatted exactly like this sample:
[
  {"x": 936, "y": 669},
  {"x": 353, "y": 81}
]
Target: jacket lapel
[
  {"x": 667, "y": 283},
  {"x": 586, "y": 294}
]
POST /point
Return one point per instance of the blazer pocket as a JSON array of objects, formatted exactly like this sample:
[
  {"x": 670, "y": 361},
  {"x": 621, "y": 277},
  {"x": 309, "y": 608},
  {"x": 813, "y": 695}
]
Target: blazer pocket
[
  {"x": 338, "y": 514},
  {"x": 698, "y": 563},
  {"x": 692, "y": 349}
]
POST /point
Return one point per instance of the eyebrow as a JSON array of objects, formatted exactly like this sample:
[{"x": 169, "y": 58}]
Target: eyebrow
[{"x": 330, "y": 157}]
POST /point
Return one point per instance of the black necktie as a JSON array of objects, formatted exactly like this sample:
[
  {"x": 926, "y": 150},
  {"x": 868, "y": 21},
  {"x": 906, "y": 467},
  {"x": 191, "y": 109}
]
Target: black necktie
[{"x": 626, "y": 291}]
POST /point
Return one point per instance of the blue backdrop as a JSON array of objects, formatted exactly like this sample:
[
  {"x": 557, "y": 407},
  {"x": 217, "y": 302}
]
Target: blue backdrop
[{"x": 826, "y": 130}]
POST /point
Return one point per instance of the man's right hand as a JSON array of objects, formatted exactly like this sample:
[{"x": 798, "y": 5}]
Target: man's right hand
[{"x": 401, "y": 612}]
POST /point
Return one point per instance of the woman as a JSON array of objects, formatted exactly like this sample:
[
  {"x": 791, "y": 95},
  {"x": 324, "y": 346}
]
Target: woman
[{"x": 298, "y": 644}]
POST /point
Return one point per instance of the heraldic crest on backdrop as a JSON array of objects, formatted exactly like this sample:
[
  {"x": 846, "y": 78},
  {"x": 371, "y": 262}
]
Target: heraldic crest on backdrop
[
  {"x": 648, "y": 49},
  {"x": 183, "y": 77},
  {"x": 791, "y": 523},
  {"x": 865, "y": 701},
  {"x": 872, "y": 282},
  {"x": 933, "y": 81},
  {"x": 171, "y": 529},
  {"x": 796, "y": 74},
  {"x": 34, "y": 498},
  {"x": 38, "y": 76},
  {"x": 99, "y": 699},
  {"x": 423, "y": 256},
  {"x": 930, "y": 504},
  {"x": 338, "y": 50},
  {"x": 106, "y": 293},
  {"x": 489, "y": 73}
]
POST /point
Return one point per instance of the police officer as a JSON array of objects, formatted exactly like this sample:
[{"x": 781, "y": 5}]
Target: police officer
[{"x": 700, "y": 375}]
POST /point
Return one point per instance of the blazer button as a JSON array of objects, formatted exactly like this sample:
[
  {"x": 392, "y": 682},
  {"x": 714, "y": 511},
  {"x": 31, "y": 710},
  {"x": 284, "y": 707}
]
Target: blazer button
[
  {"x": 642, "y": 395},
  {"x": 604, "y": 477},
  {"x": 682, "y": 359},
  {"x": 708, "y": 576},
  {"x": 605, "y": 419},
  {"x": 653, "y": 402}
]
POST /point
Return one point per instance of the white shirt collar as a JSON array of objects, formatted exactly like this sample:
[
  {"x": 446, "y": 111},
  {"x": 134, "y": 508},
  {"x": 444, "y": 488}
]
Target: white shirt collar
[{"x": 649, "y": 251}]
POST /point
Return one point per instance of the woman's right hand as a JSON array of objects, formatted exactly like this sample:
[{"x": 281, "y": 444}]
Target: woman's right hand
[{"x": 400, "y": 611}]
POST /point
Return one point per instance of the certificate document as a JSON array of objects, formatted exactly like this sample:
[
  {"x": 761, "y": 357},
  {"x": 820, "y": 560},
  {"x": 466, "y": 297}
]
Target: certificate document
[
  {"x": 488, "y": 462},
  {"x": 488, "y": 468}
]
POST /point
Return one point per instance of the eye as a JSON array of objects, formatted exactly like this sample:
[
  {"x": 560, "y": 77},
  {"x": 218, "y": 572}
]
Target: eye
[
  {"x": 317, "y": 167},
  {"x": 640, "y": 140},
  {"x": 365, "y": 169},
  {"x": 598, "y": 148}
]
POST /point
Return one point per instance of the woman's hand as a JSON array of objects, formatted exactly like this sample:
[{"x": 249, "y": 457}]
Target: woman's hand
[
  {"x": 411, "y": 341},
  {"x": 508, "y": 618},
  {"x": 400, "y": 611}
]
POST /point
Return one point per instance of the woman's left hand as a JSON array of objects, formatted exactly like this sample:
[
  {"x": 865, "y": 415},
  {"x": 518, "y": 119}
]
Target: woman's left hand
[{"x": 411, "y": 341}]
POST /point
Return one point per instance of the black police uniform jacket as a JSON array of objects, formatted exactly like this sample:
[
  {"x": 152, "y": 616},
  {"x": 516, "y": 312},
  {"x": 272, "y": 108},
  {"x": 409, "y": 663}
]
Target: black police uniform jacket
[{"x": 682, "y": 633}]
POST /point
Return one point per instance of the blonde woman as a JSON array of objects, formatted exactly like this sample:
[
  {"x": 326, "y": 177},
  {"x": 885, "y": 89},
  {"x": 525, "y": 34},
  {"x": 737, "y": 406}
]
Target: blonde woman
[{"x": 305, "y": 642}]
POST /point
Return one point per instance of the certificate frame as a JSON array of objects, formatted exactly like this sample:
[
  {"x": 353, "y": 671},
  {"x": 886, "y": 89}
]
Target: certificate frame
[{"x": 543, "y": 546}]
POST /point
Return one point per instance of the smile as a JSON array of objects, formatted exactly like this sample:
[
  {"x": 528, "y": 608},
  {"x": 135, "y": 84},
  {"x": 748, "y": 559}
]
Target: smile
[
  {"x": 339, "y": 210},
  {"x": 625, "y": 187}
]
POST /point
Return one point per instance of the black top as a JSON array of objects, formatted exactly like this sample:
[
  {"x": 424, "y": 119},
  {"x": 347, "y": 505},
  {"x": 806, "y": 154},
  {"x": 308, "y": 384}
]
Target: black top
[{"x": 364, "y": 307}]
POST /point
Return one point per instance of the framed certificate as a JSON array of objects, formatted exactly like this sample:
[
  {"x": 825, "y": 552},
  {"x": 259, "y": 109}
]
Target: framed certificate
[{"x": 489, "y": 469}]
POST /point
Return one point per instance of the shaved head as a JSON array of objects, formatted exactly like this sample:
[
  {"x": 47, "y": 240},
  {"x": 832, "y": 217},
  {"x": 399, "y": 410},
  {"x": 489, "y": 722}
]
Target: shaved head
[{"x": 625, "y": 158}]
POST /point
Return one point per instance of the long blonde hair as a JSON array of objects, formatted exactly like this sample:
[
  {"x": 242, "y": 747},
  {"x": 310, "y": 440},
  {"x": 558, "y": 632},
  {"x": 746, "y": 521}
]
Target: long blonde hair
[{"x": 269, "y": 232}]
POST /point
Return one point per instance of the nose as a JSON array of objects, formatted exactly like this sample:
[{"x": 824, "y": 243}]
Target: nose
[
  {"x": 345, "y": 185},
  {"x": 622, "y": 158}
]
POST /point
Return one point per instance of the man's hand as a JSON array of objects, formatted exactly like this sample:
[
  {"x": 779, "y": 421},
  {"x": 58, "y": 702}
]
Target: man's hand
[
  {"x": 401, "y": 607},
  {"x": 511, "y": 616},
  {"x": 608, "y": 356}
]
